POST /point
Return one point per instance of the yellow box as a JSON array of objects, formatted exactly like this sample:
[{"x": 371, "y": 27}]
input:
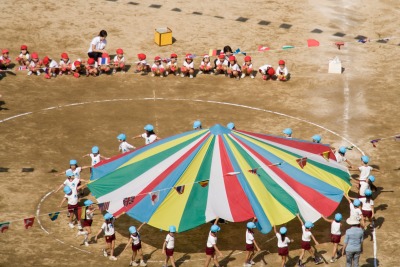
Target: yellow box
[{"x": 163, "y": 36}]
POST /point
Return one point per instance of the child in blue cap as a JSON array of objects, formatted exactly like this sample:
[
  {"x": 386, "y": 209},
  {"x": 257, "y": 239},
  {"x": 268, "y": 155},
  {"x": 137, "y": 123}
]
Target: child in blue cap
[
  {"x": 365, "y": 169},
  {"x": 95, "y": 156},
  {"x": 71, "y": 195},
  {"x": 168, "y": 246},
  {"x": 87, "y": 221},
  {"x": 149, "y": 136},
  {"x": 340, "y": 156},
  {"x": 136, "y": 242},
  {"x": 283, "y": 244},
  {"x": 306, "y": 242},
  {"x": 211, "y": 246},
  {"x": 109, "y": 235},
  {"x": 250, "y": 244},
  {"x": 336, "y": 234}
]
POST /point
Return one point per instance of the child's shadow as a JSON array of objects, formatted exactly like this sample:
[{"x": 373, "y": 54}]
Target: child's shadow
[
  {"x": 147, "y": 256},
  {"x": 182, "y": 259},
  {"x": 381, "y": 207},
  {"x": 1, "y": 105},
  {"x": 118, "y": 250},
  {"x": 227, "y": 259}
]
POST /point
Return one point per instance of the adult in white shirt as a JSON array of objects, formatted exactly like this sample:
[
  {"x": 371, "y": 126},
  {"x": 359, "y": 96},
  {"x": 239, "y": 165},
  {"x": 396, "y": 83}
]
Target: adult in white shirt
[{"x": 98, "y": 45}]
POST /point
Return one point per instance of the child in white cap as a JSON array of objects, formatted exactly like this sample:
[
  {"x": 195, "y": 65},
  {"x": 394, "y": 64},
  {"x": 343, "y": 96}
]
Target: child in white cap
[{"x": 205, "y": 65}]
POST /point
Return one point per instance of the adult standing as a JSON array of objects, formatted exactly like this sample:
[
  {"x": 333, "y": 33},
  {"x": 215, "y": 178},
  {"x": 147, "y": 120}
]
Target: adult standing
[
  {"x": 353, "y": 242},
  {"x": 98, "y": 45}
]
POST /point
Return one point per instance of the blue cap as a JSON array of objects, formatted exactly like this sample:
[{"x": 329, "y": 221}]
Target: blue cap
[
  {"x": 251, "y": 225},
  {"x": 149, "y": 127},
  {"x": 107, "y": 216},
  {"x": 95, "y": 149},
  {"x": 73, "y": 162},
  {"x": 215, "y": 228},
  {"x": 196, "y": 124},
  {"x": 317, "y": 138},
  {"x": 121, "y": 137},
  {"x": 308, "y": 224},
  {"x": 342, "y": 149},
  {"x": 371, "y": 178},
  {"x": 368, "y": 192},
  {"x": 172, "y": 229},
  {"x": 283, "y": 230},
  {"x": 338, "y": 217},
  {"x": 230, "y": 126},
  {"x": 357, "y": 202},
  {"x": 365, "y": 159},
  {"x": 132, "y": 230},
  {"x": 69, "y": 173},
  {"x": 67, "y": 190},
  {"x": 88, "y": 202},
  {"x": 287, "y": 131}
]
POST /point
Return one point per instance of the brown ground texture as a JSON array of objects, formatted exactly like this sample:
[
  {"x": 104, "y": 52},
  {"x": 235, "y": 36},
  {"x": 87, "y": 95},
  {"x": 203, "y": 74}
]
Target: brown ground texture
[{"x": 359, "y": 105}]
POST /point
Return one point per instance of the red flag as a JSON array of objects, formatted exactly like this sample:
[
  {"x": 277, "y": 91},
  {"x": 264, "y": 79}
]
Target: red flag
[
  {"x": 254, "y": 171},
  {"x": 374, "y": 142},
  {"x": 262, "y": 48},
  {"x": 4, "y": 226},
  {"x": 203, "y": 183},
  {"x": 128, "y": 201},
  {"x": 326, "y": 155},
  {"x": 29, "y": 222},
  {"x": 180, "y": 189},
  {"x": 104, "y": 206},
  {"x": 339, "y": 44},
  {"x": 302, "y": 162},
  {"x": 312, "y": 42},
  {"x": 154, "y": 196}
]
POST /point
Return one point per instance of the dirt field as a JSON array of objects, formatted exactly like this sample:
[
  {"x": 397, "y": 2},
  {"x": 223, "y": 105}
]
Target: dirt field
[{"x": 358, "y": 105}]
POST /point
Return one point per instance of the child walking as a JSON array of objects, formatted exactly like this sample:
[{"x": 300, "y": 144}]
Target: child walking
[
  {"x": 283, "y": 244},
  {"x": 211, "y": 246},
  {"x": 355, "y": 209},
  {"x": 71, "y": 195},
  {"x": 306, "y": 242},
  {"x": 364, "y": 185},
  {"x": 136, "y": 242},
  {"x": 250, "y": 244},
  {"x": 124, "y": 146},
  {"x": 95, "y": 155},
  {"x": 336, "y": 234},
  {"x": 168, "y": 246},
  {"x": 109, "y": 235},
  {"x": 368, "y": 209},
  {"x": 365, "y": 169},
  {"x": 87, "y": 221},
  {"x": 340, "y": 156},
  {"x": 149, "y": 136}
]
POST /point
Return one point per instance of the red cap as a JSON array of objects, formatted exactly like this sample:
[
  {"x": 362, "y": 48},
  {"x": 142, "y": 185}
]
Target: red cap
[
  {"x": 141, "y": 56},
  {"x": 5, "y": 51},
  {"x": 104, "y": 55},
  {"x": 24, "y": 47},
  {"x": 157, "y": 58},
  {"x": 77, "y": 63},
  {"x": 281, "y": 62},
  {"x": 188, "y": 56},
  {"x": 232, "y": 58},
  {"x": 34, "y": 55},
  {"x": 120, "y": 51},
  {"x": 90, "y": 61},
  {"x": 271, "y": 71},
  {"x": 221, "y": 56},
  {"x": 64, "y": 56},
  {"x": 46, "y": 60},
  {"x": 247, "y": 58},
  {"x": 174, "y": 55}
]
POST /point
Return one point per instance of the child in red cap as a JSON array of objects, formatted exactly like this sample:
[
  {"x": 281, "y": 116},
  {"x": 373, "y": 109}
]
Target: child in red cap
[
  {"x": 282, "y": 71},
  {"x": 157, "y": 68},
  {"x": 77, "y": 67},
  {"x": 91, "y": 67},
  {"x": 188, "y": 66},
  {"x": 24, "y": 58},
  {"x": 119, "y": 61},
  {"x": 172, "y": 65},
  {"x": 4, "y": 59},
  {"x": 247, "y": 67},
  {"x": 51, "y": 66},
  {"x": 141, "y": 65},
  {"x": 65, "y": 64},
  {"x": 104, "y": 63},
  {"x": 205, "y": 66},
  {"x": 35, "y": 65},
  {"x": 221, "y": 64},
  {"x": 233, "y": 70},
  {"x": 267, "y": 72}
]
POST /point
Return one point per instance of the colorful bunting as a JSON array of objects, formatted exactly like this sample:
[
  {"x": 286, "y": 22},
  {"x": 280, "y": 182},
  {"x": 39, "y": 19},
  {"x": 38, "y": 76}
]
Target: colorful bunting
[
  {"x": 154, "y": 196},
  {"x": 302, "y": 162},
  {"x": 22, "y": 68},
  {"x": 54, "y": 215},
  {"x": 312, "y": 42},
  {"x": 4, "y": 226},
  {"x": 203, "y": 183},
  {"x": 263, "y": 48},
  {"x": 103, "y": 206},
  {"x": 214, "y": 52},
  {"x": 339, "y": 44},
  {"x": 286, "y": 47},
  {"x": 326, "y": 155},
  {"x": 28, "y": 222},
  {"x": 180, "y": 189},
  {"x": 254, "y": 171},
  {"x": 103, "y": 61},
  {"x": 128, "y": 201}
]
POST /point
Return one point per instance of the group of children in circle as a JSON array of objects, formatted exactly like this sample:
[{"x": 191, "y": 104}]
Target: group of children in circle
[
  {"x": 361, "y": 208},
  {"x": 226, "y": 64}
]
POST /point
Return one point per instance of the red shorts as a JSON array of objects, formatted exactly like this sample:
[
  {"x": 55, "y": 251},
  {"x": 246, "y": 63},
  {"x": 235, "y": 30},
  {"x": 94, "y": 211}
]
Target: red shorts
[
  {"x": 335, "y": 238},
  {"x": 136, "y": 247},
  {"x": 283, "y": 251},
  {"x": 110, "y": 238},
  {"x": 169, "y": 252},
  {"x": 210, "y": 251},
  {"x": 86, "y": 223},
  {"x": 305, "y": 245},
  {"x": 249, "y": 247},
  {"x": 367, "y": 213},
  {"x": 72, "y": 208}
]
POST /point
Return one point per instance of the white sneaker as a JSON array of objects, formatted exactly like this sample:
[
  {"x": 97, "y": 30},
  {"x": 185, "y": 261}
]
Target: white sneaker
[
  {"x": 80, "y": 227},
  {"x": 200, "y": 72},
  {"x": 142, "y": 263},
  {"x": 86, "y": 243},
  {"x": 252, "y": 76},
  {"x": 176, "y": 74},
  {"x": 166, "y": 73},
  {"x": 243, "y": 75},
  {"x": 162, "y": 76},
  {"x": 29, "y": 73},
  {"x": 71, "y": 225},
  {"x": 191, "y": 76},
  {"x": 112, "y": 258},
  {"x": 38, "y": 73},
  {"x": 134, "y": 263},
  {"x": 105, "y": 253},
  {"x": 152, "y": 75},
  {"x": 252, "y": 262},
  {"x": 182, "y": 75}
]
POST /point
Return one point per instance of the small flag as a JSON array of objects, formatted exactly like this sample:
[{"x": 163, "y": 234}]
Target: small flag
[
  {"x": 339, "y": 44},
  {"x": 326, "y": 155},
  {"x": 29, "y": 222},
  {"x": 103, "y": 206},
  {"x": 254, "y": 171},
  {"x": 82, "y": 213},
  {"x": 22, "y": 68},
  {"x": 374, "y": 142},
  {"x": 237, "y": 51},
  {"x": 103, "y": 61},
  {"x": 286, "y": 47},
  {"x": 180, "y": 189},
  {"x": 312, "y": 42},
  {"x": 302, "y": 162},
  {"x": 203, "y": 183},
  {"x": 4, "y": 226},
  {"x": 128, "y": 201},
  {"x": 53, "y": 216},
  {"x": 232, "y": 173},
  {"x": 262, "y": 48},
  {"x": 214, "y": 52},
  {"x": 154, "y": 196}
]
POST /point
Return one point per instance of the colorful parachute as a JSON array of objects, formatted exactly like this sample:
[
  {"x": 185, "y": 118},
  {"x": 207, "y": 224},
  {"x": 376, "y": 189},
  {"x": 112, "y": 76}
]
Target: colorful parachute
[{"x": 191, "y": 178}]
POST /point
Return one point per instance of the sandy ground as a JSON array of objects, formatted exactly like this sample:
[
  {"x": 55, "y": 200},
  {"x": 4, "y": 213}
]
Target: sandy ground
[{"x": 361, "y": 104}]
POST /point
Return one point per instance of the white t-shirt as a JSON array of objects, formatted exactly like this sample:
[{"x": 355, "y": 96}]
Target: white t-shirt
[
  {"x": 363, "y": 186},
  {"x": 340, "y": 158},
  {"x": 211, "y": 241},
  {"x": 125, "y": 147},
  {"x": 33, "y": 63},
  {"x": 365, "y": 172},
  {"x": 26, "y": 56},
  {"x": 135, "y": 239},
  {"x": 188, "y": 65},
  {"x": 366, "y": 205},
  {"x": 77, "y": 172},
  {"x": 155, "y": 66},
  {"x": 306, "y": 236},
  {"x": 98, "y": 44},
  {"x": 282, "y": 71},
  {"x": 284, "y": 243},
  {"x": 73, "y": 198},
  {"x": 73, "y": 183},
  {"x": 111, "y": 229},
  {"x": 89, "y": 214},
  {"x": 63, "y": 63},
  {"x": 250, "y": 66},
  {"x": 236, "y": 67},
  {"x": 355, "y": 212},
  {"x": 53, "y": 64},
  {"x": 170, "y": 63},
  {"x": 335, "y": 228},
  {"x": 95, "y": 159},
  {"x": 170, "y": 240},
  {"x": 223, "y": 62},
  {"x": 204, "y": 64},
  {"x": 264, "y": 68},
  {"x": 249, "y": 237},
  {"x": 149, "y": 139},
  {"x": 119, "y": 60}
]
